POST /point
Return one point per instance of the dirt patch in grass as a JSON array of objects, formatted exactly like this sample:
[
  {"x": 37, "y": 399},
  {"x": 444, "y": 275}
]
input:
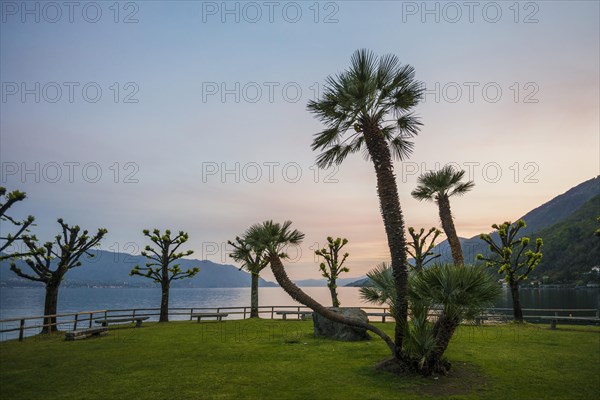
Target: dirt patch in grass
[{"x": 462, "y": 379}]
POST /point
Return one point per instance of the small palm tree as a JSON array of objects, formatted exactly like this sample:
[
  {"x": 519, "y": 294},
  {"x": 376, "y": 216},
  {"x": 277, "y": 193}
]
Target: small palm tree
[
  {"x": 381, "y": 289},
  {"x": 369, "y": 107},
  {"x": 274, "y": 237},
  {"x": 459, "y": 292},
  {"x": 439, "y": 186},
  {"x": 254, "y": 260}
]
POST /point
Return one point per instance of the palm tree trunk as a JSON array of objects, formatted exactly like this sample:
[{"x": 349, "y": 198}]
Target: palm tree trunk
[
  {"x": 297, "y": 294},
  {"x": 254, "y": 297},
  {"x": 393, "y": 221},
  {"x": 516, "y": 300},
  {"x": 444, "y": 329},
  {"x": 450, "y": 230},
  {"x": 50, "y": 307}
]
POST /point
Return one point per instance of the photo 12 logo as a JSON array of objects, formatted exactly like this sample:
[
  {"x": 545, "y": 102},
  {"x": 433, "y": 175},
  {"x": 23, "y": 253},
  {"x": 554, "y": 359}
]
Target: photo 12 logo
[
  {"x": 488, "y": 92},
  {"x": 68, "y": 92},
  {"x": 53, "y": 12},
  {"x": 489, "y": 172},
  {"x": 265, "y": 172},
  {"x": 253, "y": 12},
  {"x": 68, "y": 172},
  {"x": 452, "y": 12}
]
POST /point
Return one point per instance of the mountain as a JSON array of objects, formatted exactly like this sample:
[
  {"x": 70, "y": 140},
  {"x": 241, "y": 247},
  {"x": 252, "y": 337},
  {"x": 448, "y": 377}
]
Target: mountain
[
  {"x": 571, "y": 248},
  {"x": 359, "y": 283},
  {"x": 566, "y": 224},
  {"x": 108, "y": 268},
  {"x": 323, "y": 282},
  {"x": 544, "y": 216}
]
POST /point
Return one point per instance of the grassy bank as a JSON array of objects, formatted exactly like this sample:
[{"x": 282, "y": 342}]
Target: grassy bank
[{"x": 280, "y": 360}]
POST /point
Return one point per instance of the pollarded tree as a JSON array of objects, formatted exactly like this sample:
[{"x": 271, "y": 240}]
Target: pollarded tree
[
  {"x": 159, "y": 268},
  {"x": 419, "y": 249},
  {"x": 439, "y": 186},
  {"x": 23, "y": 226},
  {"x": 254, "y": 260},
  {"x": 333, "y": 265},
  {"x": 274, "y": 238},
  {"x": 67, "y": 249},
  {"x": 369, "y": 107},
  {"x": 513, "y": 257}
]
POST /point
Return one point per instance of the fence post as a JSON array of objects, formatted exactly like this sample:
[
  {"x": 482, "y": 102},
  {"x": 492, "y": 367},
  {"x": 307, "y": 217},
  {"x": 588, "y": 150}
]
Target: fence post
[
  {"x": 21, "y": 329},
  {"x": 272, "y": 311},
  {"x": 75, "y": 323},
  {"x": 244, "y": 312},
  {"x": 91, "y": 317},
  {"x": 191, "y": 313},
  {"x": 133, "y": 316}
]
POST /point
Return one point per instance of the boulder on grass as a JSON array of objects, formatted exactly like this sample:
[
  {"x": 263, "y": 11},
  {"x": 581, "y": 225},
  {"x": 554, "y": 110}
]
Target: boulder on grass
[{"x": 324, "y": 327}]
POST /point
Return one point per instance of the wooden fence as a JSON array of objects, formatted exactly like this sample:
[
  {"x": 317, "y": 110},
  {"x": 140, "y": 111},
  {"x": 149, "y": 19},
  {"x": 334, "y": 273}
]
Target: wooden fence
[{"x": 85, "y": 319}]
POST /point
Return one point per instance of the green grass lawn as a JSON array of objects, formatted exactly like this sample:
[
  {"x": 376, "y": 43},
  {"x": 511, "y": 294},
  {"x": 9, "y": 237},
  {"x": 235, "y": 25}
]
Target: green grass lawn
[{"x": 281, "y": 360}]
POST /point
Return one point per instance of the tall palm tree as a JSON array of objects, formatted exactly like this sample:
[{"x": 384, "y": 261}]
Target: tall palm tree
[
  {"x": 254, "y": 260},
  {"x": 274, "y": 237},
  {"x": 439, "y": 186},
  {"x": 369, "y": 106}
]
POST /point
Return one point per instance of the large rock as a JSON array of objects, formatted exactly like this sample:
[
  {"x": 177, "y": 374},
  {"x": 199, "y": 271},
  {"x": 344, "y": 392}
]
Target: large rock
[{"x": 335, "y": 330}]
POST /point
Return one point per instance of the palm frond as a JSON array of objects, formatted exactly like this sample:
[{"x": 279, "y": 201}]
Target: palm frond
[{"x": 370, "y": 92}]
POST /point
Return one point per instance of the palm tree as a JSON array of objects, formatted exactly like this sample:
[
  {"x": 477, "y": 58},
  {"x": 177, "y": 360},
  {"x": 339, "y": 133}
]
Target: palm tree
[
  {"x": 381, "y": 289},
  {"x": 274, "y": 237},
  {"x": 460, "y": 292},
  {"x": 439, "y": 186},
  {"x": 254, "y": 260},
  {"x": 369, "y": 107}
]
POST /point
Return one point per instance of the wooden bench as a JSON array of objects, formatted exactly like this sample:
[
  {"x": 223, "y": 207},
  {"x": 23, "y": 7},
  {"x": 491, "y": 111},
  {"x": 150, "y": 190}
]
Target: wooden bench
[
  {"x": 85, "y": 333},
  {"x": 138, "y": 321},
  {"x": 554, "y": 320},
  {"x": 218, "y": 316},
  {"x": 300, "y": 314},
  {"x": 383, "y": 315}
]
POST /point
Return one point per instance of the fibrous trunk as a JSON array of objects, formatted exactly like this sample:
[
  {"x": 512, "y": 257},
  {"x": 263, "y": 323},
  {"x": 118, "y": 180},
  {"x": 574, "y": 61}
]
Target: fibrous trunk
[
  {"x": 450, "y": 230},
  {"x": 394, "y": 225},
  {"x": 254, "y": 297}
]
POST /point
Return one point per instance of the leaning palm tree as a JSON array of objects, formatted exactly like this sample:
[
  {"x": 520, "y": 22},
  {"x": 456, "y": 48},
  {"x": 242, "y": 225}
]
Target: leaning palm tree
[
  {"x": 369, "y": 107},
  {"x": 254, "y": 260},
  {"x": 439, "y": 186},
  {"x": 274, "y": 237}
]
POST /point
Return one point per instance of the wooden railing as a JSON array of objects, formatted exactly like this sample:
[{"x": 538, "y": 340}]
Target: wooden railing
[
  {"x": 77, "y": 320},
  {"x": 74, "y": 320}
]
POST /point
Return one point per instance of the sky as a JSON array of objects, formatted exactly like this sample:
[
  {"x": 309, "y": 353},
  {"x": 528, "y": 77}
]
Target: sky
[{"x": 192, "y": 115}]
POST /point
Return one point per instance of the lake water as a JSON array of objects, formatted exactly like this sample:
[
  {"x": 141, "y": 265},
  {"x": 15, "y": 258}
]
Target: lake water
[{"x": 23, "y": 302}]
